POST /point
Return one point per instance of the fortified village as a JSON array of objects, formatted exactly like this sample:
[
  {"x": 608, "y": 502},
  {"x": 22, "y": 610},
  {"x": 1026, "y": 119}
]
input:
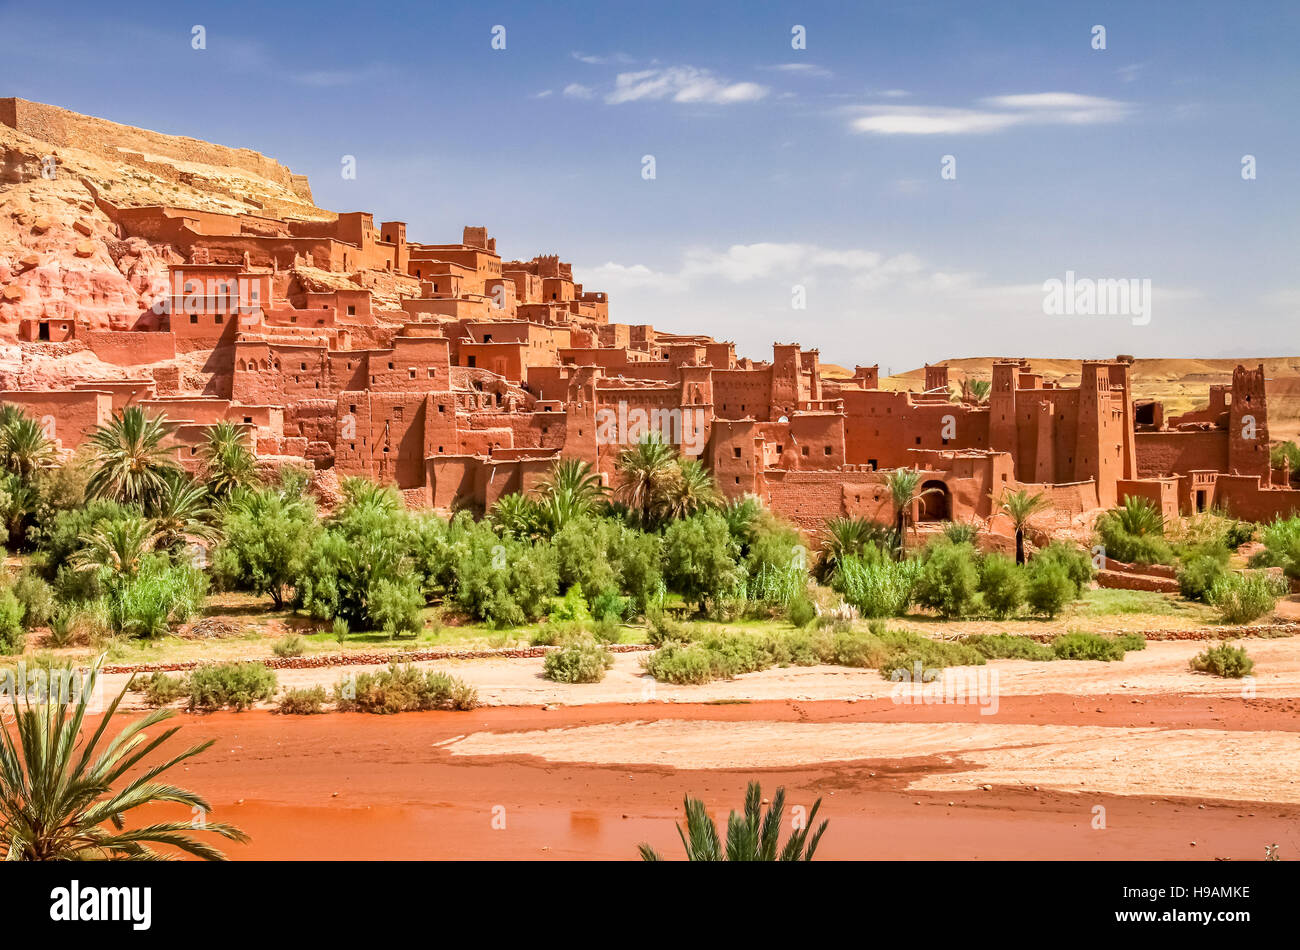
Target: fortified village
[{"x": 460, "y": 376}]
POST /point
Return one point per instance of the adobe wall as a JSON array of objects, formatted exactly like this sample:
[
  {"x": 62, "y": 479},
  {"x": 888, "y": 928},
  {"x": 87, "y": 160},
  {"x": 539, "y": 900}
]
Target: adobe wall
[
  {"x": 128, "y": 347},
  {"x": 1243, "y": 497},
  {"x": 68, "y": 417},
  {"x": 1164, "y": 453}
]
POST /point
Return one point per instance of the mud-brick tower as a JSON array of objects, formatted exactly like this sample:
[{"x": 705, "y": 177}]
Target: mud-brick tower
[{"x": 1248, "y": 423}]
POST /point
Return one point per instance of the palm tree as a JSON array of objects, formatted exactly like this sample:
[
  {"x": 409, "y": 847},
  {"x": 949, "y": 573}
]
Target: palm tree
[
  {"x": 130, "y": 460},
  {"x": 905, "y": 491},
  {"x": 361, "y": 494},
  {"x": 516, "y": 515},
  {"x": 742, "y": 516},
  {"x": 181, "y": 511},
  {"x": 754, "y": 837},
  {"x": 119, "y": 545},
  {"x": 59, "y": 804},
  {"x": 644, "y": 471},
  {"x": 690, "y": 490},
  {"x": 1020, "y": 506},
  {"x": 228, "y": 461},
  {"x": 24, "y": 450},
  {"x": 976, "y": 390},
  {"x": 844, "y": 536},
  {"x": 573, "y": 489}
]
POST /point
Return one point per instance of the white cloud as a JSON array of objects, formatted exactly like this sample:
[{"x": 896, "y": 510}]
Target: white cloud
[
  {"x": 621, "y": 59},
  {"x": 996, "y": 113},
  {"x": 802, "y": 69},
  {"x": 682, "y": 84},
  {"x": 576, "y": 90},
  {"x": 541, "y": 95}
]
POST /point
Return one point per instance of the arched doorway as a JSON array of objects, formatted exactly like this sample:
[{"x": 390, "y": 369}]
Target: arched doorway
[{"x": 935, "y": 503}]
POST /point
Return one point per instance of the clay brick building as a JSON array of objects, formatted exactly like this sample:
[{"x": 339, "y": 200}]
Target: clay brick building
[{"x": 460, "y": 377}]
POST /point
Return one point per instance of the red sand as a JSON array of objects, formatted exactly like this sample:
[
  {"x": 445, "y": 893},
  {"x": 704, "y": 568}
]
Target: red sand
[{"x": 357, "y": 786}]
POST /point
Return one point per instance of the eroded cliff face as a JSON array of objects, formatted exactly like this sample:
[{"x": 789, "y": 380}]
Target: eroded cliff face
[{"x": 61, "y": 257}]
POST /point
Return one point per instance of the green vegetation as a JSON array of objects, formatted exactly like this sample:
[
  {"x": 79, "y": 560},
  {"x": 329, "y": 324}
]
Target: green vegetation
[
  {"x": 751, "y": 837},
  {"x": 161, "y": 689},
  {"x": 1224, "y": 660},
  {"x": 233, "y": 685},
  {"x": 1244, "y": 598},
  {"x": 58, "y": 795},
  {"x": 581, "y": 660},
  {"x": 304, "y": 701},
  {"x": 291, "y": 644},
  {"x": 1005, "y": 646},
  {"x": 402, "y": 688},
  {"x": 1135, "y": 533},
  {"x": 1078, "y": 645}
]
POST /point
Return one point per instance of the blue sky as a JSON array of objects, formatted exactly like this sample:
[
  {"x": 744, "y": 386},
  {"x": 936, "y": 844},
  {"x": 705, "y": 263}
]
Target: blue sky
[{"x": 774, "y": 167}]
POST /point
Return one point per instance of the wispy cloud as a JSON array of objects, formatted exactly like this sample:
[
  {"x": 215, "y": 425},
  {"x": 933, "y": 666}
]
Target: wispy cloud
[
  {"x": 613, "y": 59},
  {"x": 682, "y": 84},
  {"x": 801, "y": 69},
  {"x": 576, "y": 90},
  {"x": 993, "y": 114}
]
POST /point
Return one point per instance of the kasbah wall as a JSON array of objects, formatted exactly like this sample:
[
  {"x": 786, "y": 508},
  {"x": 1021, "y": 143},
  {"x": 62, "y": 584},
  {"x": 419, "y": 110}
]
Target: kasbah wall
[{"x": 459, "y": 376}]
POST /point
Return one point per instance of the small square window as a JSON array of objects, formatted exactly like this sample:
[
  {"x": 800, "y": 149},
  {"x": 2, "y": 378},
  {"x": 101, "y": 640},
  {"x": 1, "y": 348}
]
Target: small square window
[
  {"x": 736, "y": 451},
  {"x": 194, "y": 318},
  {"x": 828, "y": 450}
]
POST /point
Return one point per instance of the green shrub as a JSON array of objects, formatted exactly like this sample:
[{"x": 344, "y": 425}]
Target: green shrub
[
  {"x": 1077, "y": 563},
  {"x": 801, "y": 611},
  {"x": 949, "y": 580},
  {"x": 579, "y": 661},
  {"x": 1244, "y": 598},
  {"x": 1131, "y": 641},
  {"x": 402, "y": 688},
  {"x": 861, "y": 650},
  {"x": 907, "y": 649},
  {"x": 1134, "y": 532},
  {"x": 160, "y": 594},
  {"x": 160, "y": 689},
  {"x": 237, "y": 685},
  {"x": 1281, "y": 547},
  {"x": 394, "y": 605},
  {"x": 1050, "y": 587},
  {"x": 1198, "y": 574},
  {"x": 572, "y": 607},
  {"x": 1006, "y": 646},
  {"x": 875, "y": 584},
  {"x": 686, "y": 664},
  {"x": 796, "y": 648},
  {"x": 37, "y": 598},
  {"x": 1223, "y": 660},
  {"x": 607, "y": 630},
  {"x": 340, "y": 629},
  {"x": 1002, "y": 582},
  {"x": 611, "y": 605},
  {"x": 503, "y": 582},
  {"x": 291, "y": 644},
  {"x": 13, "y": 638},
  {"x": 1078, "y": 645},
  {"x": 582, "y": 554},
  {"x": 960, "y": 532},
  {"x": 304, "y": 701},
  {"x": 700, "y": 559},
  {"x": 664, "y": 629}
]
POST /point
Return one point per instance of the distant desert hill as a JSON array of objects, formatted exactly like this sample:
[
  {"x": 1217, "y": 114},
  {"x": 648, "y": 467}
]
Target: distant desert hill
[{"x": 1181, "y": 384}]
